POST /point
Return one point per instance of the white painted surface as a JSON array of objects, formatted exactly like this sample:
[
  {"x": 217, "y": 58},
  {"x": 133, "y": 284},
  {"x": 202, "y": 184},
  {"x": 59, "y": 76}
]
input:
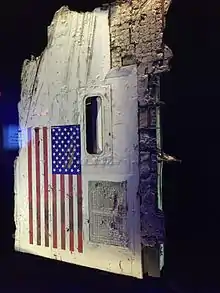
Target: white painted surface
[{"x": 76, "y": 64}]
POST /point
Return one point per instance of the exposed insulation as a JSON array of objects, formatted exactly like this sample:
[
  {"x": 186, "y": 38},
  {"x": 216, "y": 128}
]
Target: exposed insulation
[{"x": 136, "y": 29}]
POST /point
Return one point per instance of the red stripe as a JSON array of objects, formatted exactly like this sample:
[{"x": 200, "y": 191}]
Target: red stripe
[
  {"x": 79, "y": 208},
  {"x": 71, "y": 221},
  {"x": 37, "y": 160},
  {"x": 54, "y": 193},
  {"x": 30, "y": 194},
  {"x": 62, "y": 210},
  {"x": 46, "y": 213}
]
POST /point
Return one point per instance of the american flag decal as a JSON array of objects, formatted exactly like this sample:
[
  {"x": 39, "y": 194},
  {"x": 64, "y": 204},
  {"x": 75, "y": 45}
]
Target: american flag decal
[{"x": 55, "y": 187}]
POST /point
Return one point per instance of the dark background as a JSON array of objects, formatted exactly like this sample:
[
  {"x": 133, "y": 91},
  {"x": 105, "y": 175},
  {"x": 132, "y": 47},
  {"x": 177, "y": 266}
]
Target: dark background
[{"x": 190, "y": 132}]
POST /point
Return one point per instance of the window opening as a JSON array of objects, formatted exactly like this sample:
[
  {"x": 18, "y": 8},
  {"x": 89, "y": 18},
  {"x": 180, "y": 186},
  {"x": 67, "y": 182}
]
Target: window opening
[{"x": 93, "y": 125}]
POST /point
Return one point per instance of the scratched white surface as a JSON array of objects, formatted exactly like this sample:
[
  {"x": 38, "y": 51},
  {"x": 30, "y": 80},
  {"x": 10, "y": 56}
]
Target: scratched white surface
[{"x": 75, "y": 64}]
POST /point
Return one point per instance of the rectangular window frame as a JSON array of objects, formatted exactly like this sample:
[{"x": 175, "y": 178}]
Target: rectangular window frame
[
  {"x": 103, "y": 91},
  {"x": 99, "y": 127}
]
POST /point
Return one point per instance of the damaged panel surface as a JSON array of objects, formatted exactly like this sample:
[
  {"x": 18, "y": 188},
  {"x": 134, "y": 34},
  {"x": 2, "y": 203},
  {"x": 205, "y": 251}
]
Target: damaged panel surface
[
  {"x": 116, "y": 55},
  {"x": 108, "y": 212},
  {"x": 77, "y": 55},
  {"x": 54, "y": 218},
  {"x": 136, "y": 29}
]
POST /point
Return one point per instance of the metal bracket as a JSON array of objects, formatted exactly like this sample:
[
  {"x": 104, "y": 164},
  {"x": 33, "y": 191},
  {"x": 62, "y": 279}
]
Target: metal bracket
[{"x": 162, "y": 157}]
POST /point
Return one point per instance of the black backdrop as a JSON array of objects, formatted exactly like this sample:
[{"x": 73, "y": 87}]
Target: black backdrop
[{"x": 190, "y": 130}]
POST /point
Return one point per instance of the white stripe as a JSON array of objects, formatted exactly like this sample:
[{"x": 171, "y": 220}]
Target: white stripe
[
  {"x": 67, "y": 233},
  {"x": 58, "y": 214}
]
